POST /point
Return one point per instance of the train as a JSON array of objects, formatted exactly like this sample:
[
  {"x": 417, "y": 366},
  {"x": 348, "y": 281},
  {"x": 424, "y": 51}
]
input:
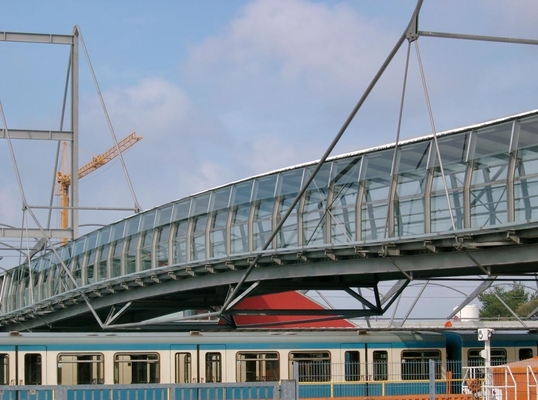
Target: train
[{"x": 351, "y": 357}]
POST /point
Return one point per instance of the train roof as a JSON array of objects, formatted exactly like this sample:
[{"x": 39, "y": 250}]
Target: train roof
[{"x": 236, "y": 337}]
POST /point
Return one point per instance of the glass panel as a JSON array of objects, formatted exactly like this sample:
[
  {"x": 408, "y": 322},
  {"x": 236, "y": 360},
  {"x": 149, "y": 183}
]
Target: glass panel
[
  {"x": 526, "y": 185},
  {"x": 163, "y": 245},
  {"x": 132, "y": 225},
  {"x": 103, "y": 270},
  {"x": 181, "y": 210},
  {"x": 321, "y": 180},
  {"x": 163, "y": 215},
  {"x": 220, "y": 198},
  {"x": 148, "y": 220},
  {"x": 104, "y": 236},
  {"x": 80, "y": 369},
  {"x": 313, "y": 366},
  {"x": 264, "y": 187},
  {"x": 130, "y": 256},
  {"x": 343, "y": 213},
  {"x": 314, "y": 216},
  {"x": 346, "y": 171},
  {"x": 493, "y": 140},
  {"x": 117, "y": 231},
  {"x": 528, "y": 132},
  {"x": 290, "y": 182},
  {"x": 488, "y": 191},
  {"x": 213, "y": 367},
  {"x": 180, "y": 250},
  {"x": 136, "y": 368},
  {"x": 255, "y": 367},
  {"x": 287, "y": 235},
  {"x": 379, "y": 164},
  {"x": 90, "y": 269},
  {"x": 241, "y": 193},
  {"x": 352, "y": 365},
  {"x": 117, "y": 250},
  {"x": 416, "y": 364},
  {"x": 374, "y": 209},
  {"x": 32, "y": 369},
  {"x": 200, "y": 204},
  {"x": 409, "y": 203},
  {"x": 262, "y": 222},
  {"x": 440, "y": 212},
  {"x": 218, "y": 233},
  {"x": 381, "y": 370},
  {"x": 91, "y": 241},
  {"x": 413, "y": 157},
  {"x": 4, "y": 369},
  {"x": 146, "y": 250},
  {"x": 239, "y": 229},
  {"x": 453, "y": 149},
  {"x": 183, "y": 368},
  {"x": 198, "y": 238}
]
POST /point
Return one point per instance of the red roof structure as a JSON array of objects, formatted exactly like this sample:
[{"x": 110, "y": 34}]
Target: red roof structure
[{"x": 291, "y": 300}]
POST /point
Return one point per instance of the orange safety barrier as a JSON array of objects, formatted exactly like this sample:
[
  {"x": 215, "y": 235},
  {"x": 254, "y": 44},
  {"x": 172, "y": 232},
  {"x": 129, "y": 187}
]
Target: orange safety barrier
[{"x": 406, "y": 397}]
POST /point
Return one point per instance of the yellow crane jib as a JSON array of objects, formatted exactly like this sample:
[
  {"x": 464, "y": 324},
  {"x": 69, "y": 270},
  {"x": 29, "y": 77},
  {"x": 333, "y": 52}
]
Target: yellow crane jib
[
  {"x": 64, "y": 178},
  {"x": 108, "y": 155}
]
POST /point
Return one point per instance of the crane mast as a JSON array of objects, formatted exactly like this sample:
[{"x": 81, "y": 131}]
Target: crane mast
[{"x": 64, "y": 178}]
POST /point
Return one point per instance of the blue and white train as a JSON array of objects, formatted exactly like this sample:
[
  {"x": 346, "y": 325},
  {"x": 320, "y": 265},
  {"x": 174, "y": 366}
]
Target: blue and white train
[{"x": 343, "y": 356}]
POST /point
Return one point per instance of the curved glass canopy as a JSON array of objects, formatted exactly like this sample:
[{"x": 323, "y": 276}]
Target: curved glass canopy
[{"x": 481, "y": 176}]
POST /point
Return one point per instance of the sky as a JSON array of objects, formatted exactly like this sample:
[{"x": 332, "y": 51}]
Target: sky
[{"x": 223, "y": 90}]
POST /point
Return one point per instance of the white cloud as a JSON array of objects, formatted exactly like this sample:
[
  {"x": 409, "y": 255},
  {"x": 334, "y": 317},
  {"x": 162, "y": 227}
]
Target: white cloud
[{"x": 313, "y": 46}]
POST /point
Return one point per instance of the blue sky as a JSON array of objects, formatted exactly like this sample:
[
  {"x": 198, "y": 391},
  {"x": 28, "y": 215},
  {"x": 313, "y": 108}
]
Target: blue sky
[{"x": 223, "y": 90}]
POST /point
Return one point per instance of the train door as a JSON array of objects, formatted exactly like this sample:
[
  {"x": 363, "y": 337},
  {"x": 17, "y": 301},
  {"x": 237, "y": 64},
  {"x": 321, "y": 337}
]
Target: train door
[
  {"x": 379, "y": 367},
  {"x": 212, "y": 363},
  {"x": 184, "y": 359},
  {"x": 31, "y": 365},
  {"x": 7, "y": 365},
  {"x": 354, "y": 362}
]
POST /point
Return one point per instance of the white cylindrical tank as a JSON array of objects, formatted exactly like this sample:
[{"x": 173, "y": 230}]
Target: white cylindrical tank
[{"x": 470, "y": 312}]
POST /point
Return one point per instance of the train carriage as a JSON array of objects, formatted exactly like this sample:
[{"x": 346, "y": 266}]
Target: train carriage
[
  {"x": 128, "y": 358},
  {"x": 327, "y": 363}
]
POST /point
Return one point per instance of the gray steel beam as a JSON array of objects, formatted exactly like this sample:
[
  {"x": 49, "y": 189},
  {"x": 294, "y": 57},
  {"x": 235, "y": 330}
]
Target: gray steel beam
[
  {"x": 35, "y": 233},
  {"x": 36, "y": 38},
  {"x": 477, "y": 37},
  {"x": 37, "y": 134}
]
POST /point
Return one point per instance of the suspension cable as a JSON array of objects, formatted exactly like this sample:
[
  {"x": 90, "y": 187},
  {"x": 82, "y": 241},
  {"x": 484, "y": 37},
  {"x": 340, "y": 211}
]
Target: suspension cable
[
  {"x": 430, "y": 113},
  {"x": 110, "y": 127}
]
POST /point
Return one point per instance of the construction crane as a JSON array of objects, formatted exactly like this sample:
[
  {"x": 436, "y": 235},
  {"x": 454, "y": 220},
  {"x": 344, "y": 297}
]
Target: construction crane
[{"x": 64, "y": 178}]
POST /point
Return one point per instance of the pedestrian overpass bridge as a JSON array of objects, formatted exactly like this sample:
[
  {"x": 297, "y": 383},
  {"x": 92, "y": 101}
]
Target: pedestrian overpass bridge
[{"x": 458, "y": 203}]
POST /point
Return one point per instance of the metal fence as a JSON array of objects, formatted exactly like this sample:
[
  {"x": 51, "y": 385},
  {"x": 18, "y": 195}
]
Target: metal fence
[
  {"x": 332, "y": 380},
  {"x": 286, "y": 390}
]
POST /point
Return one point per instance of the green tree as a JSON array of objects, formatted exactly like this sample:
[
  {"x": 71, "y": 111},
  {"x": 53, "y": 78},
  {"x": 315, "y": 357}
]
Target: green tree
[{"x": 516, "y": 298}]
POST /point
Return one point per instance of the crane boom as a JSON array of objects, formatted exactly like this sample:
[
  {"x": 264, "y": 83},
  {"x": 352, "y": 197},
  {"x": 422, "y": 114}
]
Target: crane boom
[
  {"x": 64, "y": 178},
  {"x": 109, "y": 155}
]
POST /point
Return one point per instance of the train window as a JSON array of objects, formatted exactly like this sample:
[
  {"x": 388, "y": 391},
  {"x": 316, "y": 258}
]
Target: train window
[
  {"x": 4, "y": 369},
  {"x": 474, "y": 359},
  {"x": 213, "y": 367},
  {"x": 353, "y": 366},
  {"x": 32, "y": 369},
  {"x": 416, "y": 364},
  {"x": 525, "y": 354},
  {"x": 312, "y": 366},
  {"x": 136, "y": 368},
  {"x": 381, "y": 370},
  {"x": 257, "y": 367},
  {"x": 183, "y": 368},
  {"x": 80, "y": 369}
]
